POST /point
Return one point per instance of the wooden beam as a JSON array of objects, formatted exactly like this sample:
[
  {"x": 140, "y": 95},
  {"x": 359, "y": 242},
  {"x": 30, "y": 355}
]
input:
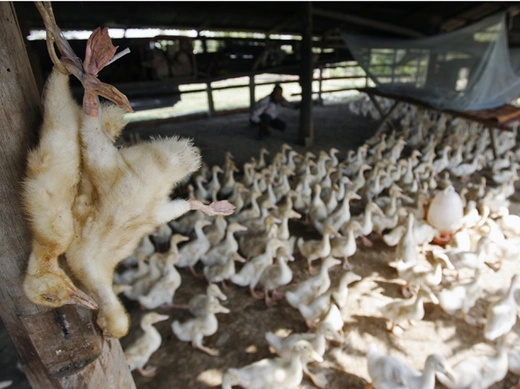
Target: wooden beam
[
  {"x": 59, "y": 348},
  {"x": 359, "y": 20},
  {"x": 306, "y": 132},
  {"x": 252, "y": 99},
  {"x": 283, "y": 24},
  {"x": 211, "y": 104}
]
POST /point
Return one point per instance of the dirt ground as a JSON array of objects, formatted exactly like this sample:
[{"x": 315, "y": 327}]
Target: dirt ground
[{"x": 240, "y": 337}]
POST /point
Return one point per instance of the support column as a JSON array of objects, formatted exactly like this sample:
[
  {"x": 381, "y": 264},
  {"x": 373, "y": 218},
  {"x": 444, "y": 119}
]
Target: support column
[
  {"x": 211, "y": 104},
  {"x": 252, "y": 100},
  {"x": 306, "y": 134}
]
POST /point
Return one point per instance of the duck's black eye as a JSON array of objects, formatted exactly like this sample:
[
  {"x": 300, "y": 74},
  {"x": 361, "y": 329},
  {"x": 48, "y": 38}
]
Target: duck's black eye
[{"x": 48, "y": 298}]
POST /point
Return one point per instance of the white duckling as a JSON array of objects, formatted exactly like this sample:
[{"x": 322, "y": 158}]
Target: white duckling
[
  {"x": 250, "y": 213},
  {"x": 333, "y": 318},
  {"x": 340, "y": 216},
  {"x": 477, "y": 372},
  {"x": 345, "y": 246},
  {"x": 141, "y": 286},
  {"x": 461, "y": 297},
  {"x": 236, "y": 197},
  {"x": 219, "y": 272},
  {"x": 216, "y": 231},
  {"x": 139, "y": 352},
  {"x": 316, "y": 249},
  {"x": 469, "y": 259},
  {"x": 318, "y": 340},
  {"x": 407, "y": 247},
  {"x": 162, "y": 236},
  {"x": 261, "y": 159},
  {"x": 514, "y": 362},
  {"x": 227, "y": 246},
  {"x": 501, "y": 314},
  {"x": 254, "y": 243},
  {"x": 276, "y": 275},
  {"x": 198, "y": 303},
  {"x": 314, "y": 286},
  {"x": 510, "y": 224},
  {"x": 341, "y": 292},
  {"x": 164, "y": 288},
  {"x": 425, "y": 277},
  {"x": 318, "y": 209},
  {"x": 145, "y": 249},
  {"x": 399, "y": 310},
  {"x": 365, "y": 221},
  {"x": 387, "y": 371},
  {"x": 316, "y": 309},
  {"x": 273, "y": 373},
  {"x": 195, "y": 329},
  {"x": 214, "y": 184},
  {"x": 201, "y": 192},
  {"x": 228, "y": 181},
  {"x": 192, "y": 252},
  {"x": 251, "y": 272}
]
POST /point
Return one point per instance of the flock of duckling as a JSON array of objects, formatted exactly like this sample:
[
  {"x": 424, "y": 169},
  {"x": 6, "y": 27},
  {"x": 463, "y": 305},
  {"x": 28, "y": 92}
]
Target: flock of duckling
[{"x": 392, "y": 178}]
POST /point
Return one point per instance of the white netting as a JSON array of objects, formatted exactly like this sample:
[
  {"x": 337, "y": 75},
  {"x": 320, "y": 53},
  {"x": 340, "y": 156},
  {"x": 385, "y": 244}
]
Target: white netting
[{"x": 468, "y": 69}]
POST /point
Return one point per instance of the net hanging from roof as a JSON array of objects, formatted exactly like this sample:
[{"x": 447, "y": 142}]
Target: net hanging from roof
[{"x": 467, "y": 69}]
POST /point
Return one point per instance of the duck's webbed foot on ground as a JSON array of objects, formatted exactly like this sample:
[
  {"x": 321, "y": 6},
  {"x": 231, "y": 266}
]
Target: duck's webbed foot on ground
[{"x": 222, "y": 207}]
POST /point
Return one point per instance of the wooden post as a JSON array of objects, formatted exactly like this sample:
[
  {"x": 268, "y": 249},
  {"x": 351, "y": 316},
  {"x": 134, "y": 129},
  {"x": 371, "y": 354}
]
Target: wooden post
[
  {"x": 306, "y": 120},
  {"x": 211, "y": 104},
  {"x": 252, "y": 99},
  {"x": 320, "y": 79},
  {"x": 58, "y": 348}
]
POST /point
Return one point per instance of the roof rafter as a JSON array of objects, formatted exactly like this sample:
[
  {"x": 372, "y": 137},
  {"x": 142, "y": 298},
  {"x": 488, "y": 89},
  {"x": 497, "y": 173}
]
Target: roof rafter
[{"x": 367, "y": 22}]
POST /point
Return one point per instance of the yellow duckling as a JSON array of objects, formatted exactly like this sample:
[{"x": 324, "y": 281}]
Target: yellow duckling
[
  {"x": 49, "y": 190},
  {"x": 194, "y": 330},
  {"x": 140, "y": 351},
  {"x": 124, "y": 194},
  {"x": 272, "y": 373}
]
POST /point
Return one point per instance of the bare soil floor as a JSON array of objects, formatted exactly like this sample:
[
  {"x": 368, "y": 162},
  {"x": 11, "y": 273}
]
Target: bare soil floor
[{"x": 240, "y": 337}]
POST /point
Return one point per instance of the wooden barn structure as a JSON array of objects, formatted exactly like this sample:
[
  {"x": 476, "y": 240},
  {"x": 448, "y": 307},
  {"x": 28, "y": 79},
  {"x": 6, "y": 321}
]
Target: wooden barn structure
[{"x": 62, "y": 348}]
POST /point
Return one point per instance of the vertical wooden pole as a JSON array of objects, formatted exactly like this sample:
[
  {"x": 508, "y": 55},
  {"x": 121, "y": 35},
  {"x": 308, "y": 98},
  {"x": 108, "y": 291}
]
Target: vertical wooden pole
[
  {"x": 252, "y": 99},
  {"x": 59, "y": 348},
  {"x": 320, "y": 79},
  {"x": 211, "y": 104},
  {"x": 306, "y": 118}
]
